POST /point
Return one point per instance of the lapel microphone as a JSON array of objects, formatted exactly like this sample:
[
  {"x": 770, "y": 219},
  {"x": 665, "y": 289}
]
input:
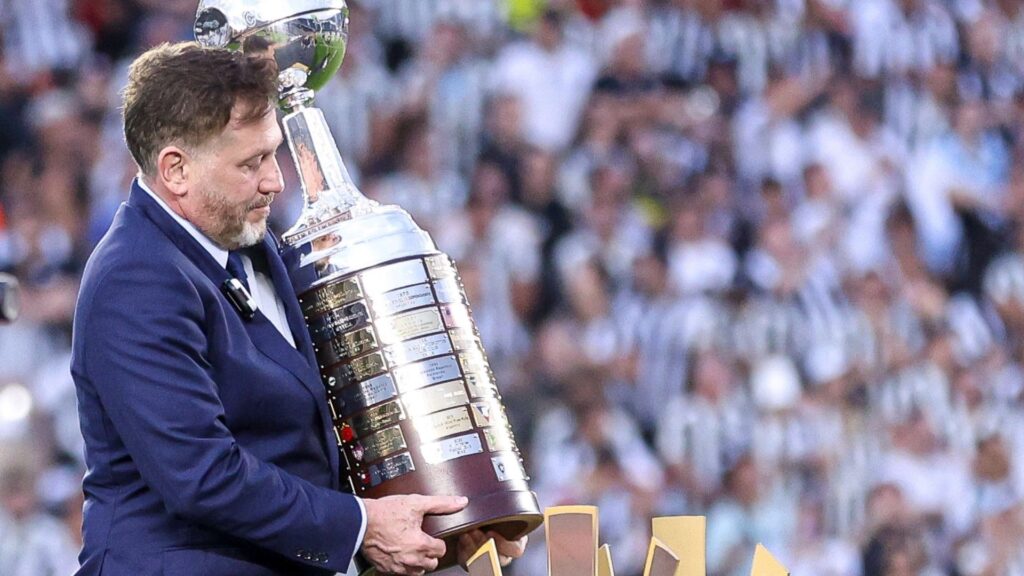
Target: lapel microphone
[{"x": 239, "y": 297}]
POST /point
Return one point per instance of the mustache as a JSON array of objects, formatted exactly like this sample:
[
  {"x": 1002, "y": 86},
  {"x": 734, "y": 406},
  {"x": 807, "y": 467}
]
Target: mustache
[{"x": 262, "y": 203}]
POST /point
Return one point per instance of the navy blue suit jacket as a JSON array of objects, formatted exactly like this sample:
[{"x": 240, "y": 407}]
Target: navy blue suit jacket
[{"x": 208, "y": 439}]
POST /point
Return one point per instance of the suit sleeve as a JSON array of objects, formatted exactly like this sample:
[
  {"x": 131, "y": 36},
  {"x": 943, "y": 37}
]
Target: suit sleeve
[{"x": 145, "y": 354}]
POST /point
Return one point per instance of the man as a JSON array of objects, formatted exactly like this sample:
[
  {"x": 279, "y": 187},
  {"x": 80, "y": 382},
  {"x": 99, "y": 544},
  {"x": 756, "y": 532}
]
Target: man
[{"x": 208, "y": 441}]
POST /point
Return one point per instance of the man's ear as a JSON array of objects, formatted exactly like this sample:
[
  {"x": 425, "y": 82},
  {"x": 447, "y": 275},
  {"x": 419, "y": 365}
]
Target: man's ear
[{"x": 173, "y": 167}]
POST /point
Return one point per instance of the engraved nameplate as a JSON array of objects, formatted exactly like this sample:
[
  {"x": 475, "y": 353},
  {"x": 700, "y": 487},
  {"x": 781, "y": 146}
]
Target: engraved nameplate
[
  {"x": 449, "y": 291},
  {"x": 422, "y": 374},
  {"x": 443, "y": 424},
  {"x": 329, "y": 297},
  {"x": 345, "y": 346},
  {"x": 435, "y": 398},
  {"x": 376, "y": 418},
  {"x": 464, "y": 339},
  {"x": 402, "y": 299},
  {"x": 367, "y": 366},
  {"x": 393, "y": 276},
  {"x": 451, "y": 448},
  {"x": 388, "y": 469},
  {"x": 359, "y": 396},
  {"x": 359, "y": 369},
  {"x": 379, "y": 445},
  {"x": 440, "y": 266},
  {"x": 455, "y": 315},
  {"x": 338, "y": 321},
  {"x": 409, "y": 325},
  {"x": 419, "y": 349},
  {"x": 473, "y": 362}
]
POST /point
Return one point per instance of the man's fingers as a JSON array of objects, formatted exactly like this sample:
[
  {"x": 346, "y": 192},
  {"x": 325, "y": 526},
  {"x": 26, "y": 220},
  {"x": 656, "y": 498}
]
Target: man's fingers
[
  {"x": 432, "y": 547},
  {"x": 513, "y": 548},
  {"x": 442, "y": 504},
  {"x": 413, "y": 563},
  {"x": 510, "y": 548},
  {"x": 469, "y": 543},
  {"x": 473, "y": 539},
  {"x": 429, "y": 564}
]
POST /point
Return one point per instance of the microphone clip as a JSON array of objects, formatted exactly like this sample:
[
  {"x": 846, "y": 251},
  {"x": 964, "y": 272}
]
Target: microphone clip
[{"x": 240, "y": 298}]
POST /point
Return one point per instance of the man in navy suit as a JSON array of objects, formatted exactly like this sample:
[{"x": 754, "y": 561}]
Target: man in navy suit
[{"x": 208, "y": 439}]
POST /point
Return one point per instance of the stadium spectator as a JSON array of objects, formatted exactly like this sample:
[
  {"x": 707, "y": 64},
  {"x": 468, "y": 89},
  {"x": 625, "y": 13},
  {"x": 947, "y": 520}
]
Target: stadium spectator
[{"x": 761, "y": 260}]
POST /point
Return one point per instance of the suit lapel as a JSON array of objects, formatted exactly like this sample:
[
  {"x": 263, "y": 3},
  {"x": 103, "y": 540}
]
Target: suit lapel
[
  {"x": 285, "y": 290},
  {"x": 299, "y": 361},
  {"x": 303, "y": 343}
]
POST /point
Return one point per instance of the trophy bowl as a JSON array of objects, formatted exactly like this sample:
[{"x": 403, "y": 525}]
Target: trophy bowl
[
  {"x": 415, "y": 405},
  {"x": 307, "y": 38}
]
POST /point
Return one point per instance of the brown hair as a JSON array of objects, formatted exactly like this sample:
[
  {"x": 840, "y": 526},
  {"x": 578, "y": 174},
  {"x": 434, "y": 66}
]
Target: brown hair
[{"x": 184, "y": 94}]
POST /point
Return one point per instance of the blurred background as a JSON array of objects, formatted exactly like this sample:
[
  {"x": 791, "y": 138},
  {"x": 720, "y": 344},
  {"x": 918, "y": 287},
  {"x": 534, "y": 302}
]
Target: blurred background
[{"x": 761, "y": 260}]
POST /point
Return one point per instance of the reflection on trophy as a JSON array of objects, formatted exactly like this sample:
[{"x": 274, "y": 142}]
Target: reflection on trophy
[
  {"x": 9, "y": 306},
  {"x": 415, "y": 405}
]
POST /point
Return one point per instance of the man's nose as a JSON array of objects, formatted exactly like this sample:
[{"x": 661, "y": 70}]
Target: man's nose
[{"x": 273, "y": 180}]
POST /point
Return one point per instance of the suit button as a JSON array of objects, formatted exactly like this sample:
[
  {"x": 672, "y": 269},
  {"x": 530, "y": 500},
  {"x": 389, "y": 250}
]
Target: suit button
[{"x": 300, "y": 554}]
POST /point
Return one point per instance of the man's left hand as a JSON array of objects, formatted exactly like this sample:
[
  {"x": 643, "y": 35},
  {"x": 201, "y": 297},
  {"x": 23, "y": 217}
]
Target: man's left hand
[{"x": 470, "y": 542}]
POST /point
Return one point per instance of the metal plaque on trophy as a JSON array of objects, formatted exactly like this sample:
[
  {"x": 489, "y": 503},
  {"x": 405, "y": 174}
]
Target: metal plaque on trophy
[{"x": 415, "y": 405}]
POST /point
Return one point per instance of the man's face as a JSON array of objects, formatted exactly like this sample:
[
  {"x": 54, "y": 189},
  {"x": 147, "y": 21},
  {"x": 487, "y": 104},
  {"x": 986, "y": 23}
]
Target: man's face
[{"x": 237, "y": 177}]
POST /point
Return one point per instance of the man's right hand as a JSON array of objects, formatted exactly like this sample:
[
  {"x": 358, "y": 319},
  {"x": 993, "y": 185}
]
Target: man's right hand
[{"x": 395, "y": 542}]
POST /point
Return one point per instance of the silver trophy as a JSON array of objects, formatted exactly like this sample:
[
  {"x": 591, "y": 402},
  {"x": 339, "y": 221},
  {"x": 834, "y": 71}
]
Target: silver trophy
[{"x": 415, "y": 405}]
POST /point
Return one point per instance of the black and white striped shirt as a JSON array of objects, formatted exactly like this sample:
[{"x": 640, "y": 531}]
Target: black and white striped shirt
[
  {"x": 411, "y": 20},
  {"x": 679, "y": 43},
  {"x": 349, "y": 103},
  {"x": 457, "y": 112},
  {"x": 662, "y": 332},
  {"x": 888, "y": 41},
  {"x": 40, "y": 35},
  {"x": 704, "y": 437}
]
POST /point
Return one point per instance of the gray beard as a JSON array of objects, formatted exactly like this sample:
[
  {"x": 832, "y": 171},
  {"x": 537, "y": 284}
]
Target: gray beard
[{"x": 251, "y": 235}]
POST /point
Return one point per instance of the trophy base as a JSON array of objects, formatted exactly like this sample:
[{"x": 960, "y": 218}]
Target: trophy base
[{"x": 511, "y": 514}]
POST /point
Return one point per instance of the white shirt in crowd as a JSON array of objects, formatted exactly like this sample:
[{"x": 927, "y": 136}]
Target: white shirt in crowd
[{"x": 552, "y": 87}]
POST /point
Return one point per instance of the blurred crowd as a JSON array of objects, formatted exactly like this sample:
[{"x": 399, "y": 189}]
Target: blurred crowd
[{"x": 759, "y": 260}]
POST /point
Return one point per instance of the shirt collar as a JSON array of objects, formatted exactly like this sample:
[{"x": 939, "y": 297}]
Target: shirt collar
[{"x": 219, "y": 254}]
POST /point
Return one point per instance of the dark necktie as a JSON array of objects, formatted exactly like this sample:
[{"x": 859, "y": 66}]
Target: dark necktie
[{"x": 236, "y": 269}]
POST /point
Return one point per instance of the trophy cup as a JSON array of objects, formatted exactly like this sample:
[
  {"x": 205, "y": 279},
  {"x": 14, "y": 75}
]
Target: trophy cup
[{"x": 415, "y": 405}]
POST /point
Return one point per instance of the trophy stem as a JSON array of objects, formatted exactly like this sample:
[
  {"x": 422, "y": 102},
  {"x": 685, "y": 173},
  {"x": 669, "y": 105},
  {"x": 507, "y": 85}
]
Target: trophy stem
[
  {"x": 330, "y": 196},
  {"x": 295, "y": 98}
]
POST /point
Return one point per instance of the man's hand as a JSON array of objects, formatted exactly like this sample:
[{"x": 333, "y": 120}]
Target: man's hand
[
  {"x": 470, "y": 542},
  {"x": 395, "y": 542}
]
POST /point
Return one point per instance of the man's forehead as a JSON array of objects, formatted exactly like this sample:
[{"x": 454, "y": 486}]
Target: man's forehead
[
  {"x": 250, "y": 129},
  {"x": 244, "y": 113}
]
